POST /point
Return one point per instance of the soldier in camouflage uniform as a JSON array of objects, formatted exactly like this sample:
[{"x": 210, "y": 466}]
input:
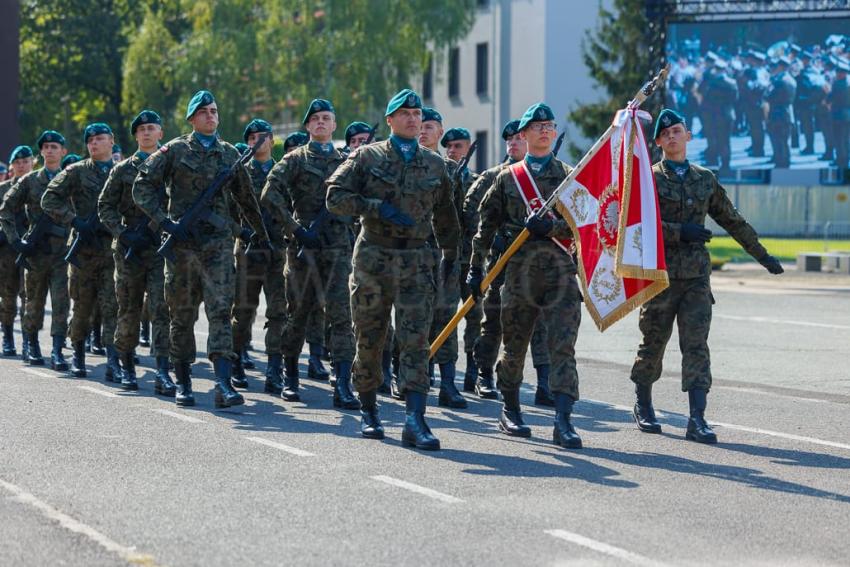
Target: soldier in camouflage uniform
[
  {"x": 540, "y": 280},
  {"x": 400, "y": 190},
  {"x": 260, "y": 273},
  {"x": 487, "y": 346},
  {"x": 202, "y": 269},
  {"x": 47, "y": 270},
  {"x": 143, "y": 273},
  {"x": 687, "y": 194},
  {"x": 780, "y": 96},
  {"x": 11, "y": 276},
  {"x": 71, "y": 199},
  {"x": 318, "y": 266}
]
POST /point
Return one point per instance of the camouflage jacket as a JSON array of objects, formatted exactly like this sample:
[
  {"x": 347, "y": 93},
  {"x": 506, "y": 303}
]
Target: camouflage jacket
[
  {"x": 473, "y": 198},
  {"x": 503, "y": 209},
  {"x": 420, "y": 188},
  {"x": 467, "y": 232},
  {"x": 690, "y": 201},
  {"x": 74, "y": 193},
  {"x": 258, "y": 181},
  {"x": 21, "y": 200},
  {"x": 186, "y": 168},
  {"x": 295, "y": 192},
  {"x": 116, "y": 205}
]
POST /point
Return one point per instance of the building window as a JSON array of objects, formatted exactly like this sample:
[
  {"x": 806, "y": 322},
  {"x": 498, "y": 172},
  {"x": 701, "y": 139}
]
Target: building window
[
  {"x": 454, "y": 72},
  {"x": 428, "y": 80},
  {"x": 482, "y": 4},
  {"x": 481, "y": 67},
  {"x": 481, "y": 161}
]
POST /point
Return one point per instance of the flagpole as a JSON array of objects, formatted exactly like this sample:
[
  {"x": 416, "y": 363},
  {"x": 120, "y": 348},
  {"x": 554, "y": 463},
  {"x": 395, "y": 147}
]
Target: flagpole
[{"x": 638, "y": 99}]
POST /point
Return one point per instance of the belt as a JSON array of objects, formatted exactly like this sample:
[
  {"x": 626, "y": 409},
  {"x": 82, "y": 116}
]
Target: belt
[{"x": 391, "y": 242}]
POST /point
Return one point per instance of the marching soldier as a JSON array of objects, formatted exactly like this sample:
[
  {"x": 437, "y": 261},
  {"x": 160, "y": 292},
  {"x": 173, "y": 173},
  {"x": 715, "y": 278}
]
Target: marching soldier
[
  {"x": 687, "y": 194},
  {"x": 779, "y": 96},
  {"x": 719, "y": 92},
  {"x": 317, "y": 268},
  {"x": 540, "y": 278},
  {"x": 399, "y": 190},
  {"x": 356, "y": 135},
  {"x": 839, "y": 105},
  {"x": 71, "y": 199},
  {"x": 753, "y": 84},
  {"x": 47, "y": 270},
  {"x": 811, "y": 90},
  {"x": 202, "y": 269},
  {"x": 140, "y": 271}
]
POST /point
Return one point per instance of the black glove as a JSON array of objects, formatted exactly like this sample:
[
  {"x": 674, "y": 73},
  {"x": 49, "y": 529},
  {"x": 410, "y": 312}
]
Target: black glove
[
  {"x": 499, "y": 245},
  {"x": 83, "y": 228},
  {"x": 175, "y": 229},
  {"x": 772, "y": 264},
  {"x": 693, "y": 232},
  {"x": 539, "y": 226},
  {"x": 447, "y": 268},
  {"x": 23, "y": 247},
  {"x": 391, "y": 214},
  {"x": 132, "y": 239},
  {"x": 307, "y": 238},
  {"x": 474, "y": 278},
  {"x": 245, "y": 235}
]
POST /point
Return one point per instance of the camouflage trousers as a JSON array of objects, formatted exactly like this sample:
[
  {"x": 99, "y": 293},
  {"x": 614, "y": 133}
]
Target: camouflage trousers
[
  {"x": 487, "y": 347},
  {"x": 445, "y": 306},
  {"x": 324, "y": 281},
  {"x": 383, "y": 279},
  {"x": 200, "y": 272},
  {"x": 472, "y": 331},
  {"x": 253, "y": 277},
  {"x": 47, "y": 272},
  {"x": 317, "y": 331},
  {"x": 687, "y": 302},
  {"x": 93, "y": 285},
  {"x": 540, "y": 286},
  {"x": 136, "y": 281},
  {"x": 11, "y": 278}
]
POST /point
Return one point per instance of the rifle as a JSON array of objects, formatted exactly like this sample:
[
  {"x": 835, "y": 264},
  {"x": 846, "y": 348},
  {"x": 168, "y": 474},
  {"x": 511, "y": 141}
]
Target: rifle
[
  {"x": 558, "y": 144},
  {"x": 37, "y": 234},
  {"x": 142, "y": 229},
  {"x": 372, "y": 134},
  {"x": 315, "y": 225},
  {"x": 464, "y": 161},
  {"x": 79, "y": 240},
  {"x": 201, "y": 209}
]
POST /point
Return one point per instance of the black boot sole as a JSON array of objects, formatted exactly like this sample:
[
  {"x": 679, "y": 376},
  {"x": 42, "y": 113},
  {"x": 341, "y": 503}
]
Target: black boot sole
[
  {"x": 166, "y": 393},
  {"x": 448, "y": 402},
  {"x": 486, "y": 395},
  {"x": 130, "y": 387},
  {"x": 525, "y": 434},
  {"x": 271, "y": 389},
  {"x": 352, "y": 404},
  {"x": 705, "y": 440},
  {"x": 185, "y": 403},
  {"x": 318, "y": 376},
  {"x": 10, "y": 353},
  {"x": 645, "y": 427},
  {"x": 221, "y": 403},
  {"x": 372, "y": 434},
  {"x": 241, "y": 384},
  {"x": 35, "y": 361},
  {"x": 569, "y": 444},
  {"x": 408, "y": 442},
  {"x": 79, "y": 373},
  {"x": 294, "y": 397},
  {"x": 60, "y": 367}
]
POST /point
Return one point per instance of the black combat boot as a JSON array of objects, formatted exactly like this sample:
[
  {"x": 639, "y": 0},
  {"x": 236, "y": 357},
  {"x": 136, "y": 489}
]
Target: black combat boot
[
  {"x": 386, "y": 368},
  {"x": 471, "y": 373},
  {"x": 274, "y": 375},
  {"x": 225, "y": 395},
  {"x": 484, "y": 386},
  {"x": 78, "y": 360},
  {"x": 370, "y": 421},
  {"x": 510, "y": 420},
  {"x": 162, "y": 383},
  {"x": 315, "y": 367},
  {"x": 449, "y": 396},
  {"x": 183, "y": 396},
  {"x": 97, "y": 341},
  {"x": 113, "y": 367},
  {"x": 416, "y": 432},
  {"x": 644, "y": 412},
  {"x": 698, "y": 429},
  {"x": 343, "y": 396},
  {"x": 395, "y": 384},
  {"x": 145, "y": 334},
  {"x": 247, "y": 362},
  {"x": 239, "y": 380},
  {"x": 128, "y": 372},
  {"x": 25, "y": 348},
  {"x": 543, "y": 395},
  {"x": 57, "y": 360},
  {"x": 88, "y": 341},
  {"x": 564, "y": 434},
  {"x": 34, "y": 356},
  {"x": 290, "y": 379},
  {"x": 9, "y": 341},
  {"x": 431, "y": 378}
]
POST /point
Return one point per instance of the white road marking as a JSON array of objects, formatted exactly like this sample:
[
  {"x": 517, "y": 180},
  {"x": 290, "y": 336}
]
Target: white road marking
[
  {"x": 98, "y": 391},
  {"x": 187, "y": 418},
  {"x": 128, "y": 554},
  {"x": 281, "y": 447},
  {"x": 782, "y": 322},
  {"x": 418, "y": 489},
  {"x": 35, "y": 372},
  {"x": 602, "y": 547},
  {"x": 779, "y": 434}
]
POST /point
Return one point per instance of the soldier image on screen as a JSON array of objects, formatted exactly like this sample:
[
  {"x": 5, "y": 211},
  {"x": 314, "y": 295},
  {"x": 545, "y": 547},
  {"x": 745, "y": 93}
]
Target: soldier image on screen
[
  {"x": 811, "y": 91},
  {"x": 752, "y": 85},
  {"x": 779, "y": 98},
  {"x": 839, "y": 107},
  {"x": 719, "y": 94}
]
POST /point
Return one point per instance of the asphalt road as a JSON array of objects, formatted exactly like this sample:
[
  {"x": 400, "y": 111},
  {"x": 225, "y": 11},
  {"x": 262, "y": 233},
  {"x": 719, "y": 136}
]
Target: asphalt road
[{"x": 90, "y": 475}]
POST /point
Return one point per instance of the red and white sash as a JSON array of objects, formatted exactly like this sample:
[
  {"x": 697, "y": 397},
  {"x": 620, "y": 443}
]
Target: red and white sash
[{"x": 533, "y": 199}]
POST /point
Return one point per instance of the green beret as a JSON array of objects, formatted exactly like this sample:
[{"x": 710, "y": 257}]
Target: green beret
[
  {"x": 254, "y": 126},
  {"x": 240, "y": 147},
  {"x": 94, "y": 129},
  {"x": 50, "y": 136},
  {"x": 666, "y": 118},
  {"x": 199, "y": 100},
  {"x": 144, "y": 117},
  {"x": 318, "y": 105},
  {"x": 116, "y": 149},
  {"x": 510, "y": 129},
  {"x": 294, "y": 140},
  {"x": 69, "y": 159},
  {"x": 539, "y": 112},
  {"x": 429, "y": 113},
  {"x": 20, "y": 152},
  {"x": 405, "y": 98},
  {"x": 455, "y": 134},
  {"x": 356, "y": 128}
]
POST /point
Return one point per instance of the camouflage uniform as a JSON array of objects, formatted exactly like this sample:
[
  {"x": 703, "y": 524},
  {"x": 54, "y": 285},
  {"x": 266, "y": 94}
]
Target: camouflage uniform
[
  {"x": 473, "y": 319},
  {"x": 11, "y": 277},
  {"x": 392, "y": 265},
  {"x": 74, "y": 193},
  {"x": 688, "y": 300},
  {"x": 540, "y": 282},
  {"x": 203, "y": 269}
]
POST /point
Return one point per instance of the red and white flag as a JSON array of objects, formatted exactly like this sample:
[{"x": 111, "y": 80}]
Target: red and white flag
[{"x": 611, "y": 205}]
